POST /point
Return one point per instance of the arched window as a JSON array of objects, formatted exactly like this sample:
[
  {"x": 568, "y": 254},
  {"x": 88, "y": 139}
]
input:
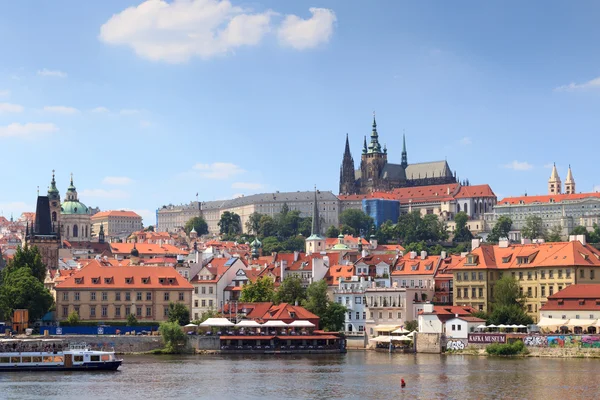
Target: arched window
[
  {"x": 68, "y": 231},
  {"x": 53, "y": 216},
  {"x": 75, "y": 231},
  {"x": 466, "y": 208},
  {"x": 86, "y": 231},
  {"x": 458, "y": 207}
]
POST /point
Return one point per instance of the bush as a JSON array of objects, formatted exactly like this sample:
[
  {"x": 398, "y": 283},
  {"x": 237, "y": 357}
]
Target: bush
[
  {"x": 507, "y": 349},
  {"x": 173, "y": 337},
  {"x": 132, "y": 320}
]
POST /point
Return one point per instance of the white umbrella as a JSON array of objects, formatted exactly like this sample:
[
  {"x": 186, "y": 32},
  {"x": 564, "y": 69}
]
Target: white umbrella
[
  {"x": 492, "y": 326},
  {"x": 521, "y": 326},
  {"x": 584, "y": 323},
  {"x": 481, "y": 327},
  {"x": 402, "y": 338},
  {"x": 248, "y": 323},
  {"x": 217, "y": 322},
  {"x": 191, "y": 326},
  {"x": 411, "y": 334},
  {"x": 381, "y": 339},
  {"x": 502, "y": 326},
  {"x": 401, "y": 331},
  {"x": 302, "y": 324},
  {"x": 275, "y": 324}
]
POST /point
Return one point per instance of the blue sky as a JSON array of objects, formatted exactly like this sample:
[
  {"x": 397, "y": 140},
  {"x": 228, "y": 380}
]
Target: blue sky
[{"x": 148, "y": 103}]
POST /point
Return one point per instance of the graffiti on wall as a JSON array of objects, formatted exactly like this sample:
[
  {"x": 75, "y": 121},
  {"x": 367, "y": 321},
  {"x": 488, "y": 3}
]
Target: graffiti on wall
[
  {"x": 536, "y": 341},
  {"x": 455, "y": 345},
  {"x": 563, "y": 341}
]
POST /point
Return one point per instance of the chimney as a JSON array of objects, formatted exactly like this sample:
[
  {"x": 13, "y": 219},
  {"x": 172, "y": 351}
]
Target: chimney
[
  {"x": 427, "y": 308},
  {"x": 475, "y": 243},
  {"x": 423, "y": 255},
  {"x": 525, "y": 241},
  {"x": 503, "y": 243},
  {"x": 577, "y": 238},
  {"x": 443, "y": 254},
  {"x": 413, "y": 255},
  {"x": 296, "y": 254}
]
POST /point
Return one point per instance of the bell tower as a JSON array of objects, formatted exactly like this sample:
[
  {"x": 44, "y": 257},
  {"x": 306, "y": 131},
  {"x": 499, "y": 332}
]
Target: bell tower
[
  {"x": 570, "y": 183},
  {"x": 347, "y": 179},
  {"x": 372, "y": 162},
  {"x": 554, "y": 183},
  {"x": 54, "y": 198}
]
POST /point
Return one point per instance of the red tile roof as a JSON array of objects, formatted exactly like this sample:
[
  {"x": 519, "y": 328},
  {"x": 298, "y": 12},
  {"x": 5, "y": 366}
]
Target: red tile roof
[
  {"x": 115, "y": 213},
  {"x": 475, "y": 191},
  {"x": 580, "y": 297},
  {"x": 417, "y": 266},
  {"x": 335, "y": 272},
  {"x": 556, "y": 198},
  {"x": 146, "y": 249}
]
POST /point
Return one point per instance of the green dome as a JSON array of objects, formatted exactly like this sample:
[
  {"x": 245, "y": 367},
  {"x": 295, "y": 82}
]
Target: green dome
[{"x": 73, "y": 207}]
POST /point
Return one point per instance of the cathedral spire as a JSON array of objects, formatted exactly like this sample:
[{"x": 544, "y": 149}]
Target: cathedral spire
[
  {"x": 554, "y": 183},
  {"x": 570, "y": 182},
  {"x": 316, "y": 224},
  {"x": 347, "y": 149},
  {"x": 374, "y": 146},
  {"x": 365, "y": 146},
  {"x": 404, "y": 162}
]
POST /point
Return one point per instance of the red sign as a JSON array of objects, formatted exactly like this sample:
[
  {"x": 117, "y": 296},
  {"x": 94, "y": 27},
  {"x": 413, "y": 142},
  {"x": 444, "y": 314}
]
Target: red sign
[{"x": 487, "y": 338}]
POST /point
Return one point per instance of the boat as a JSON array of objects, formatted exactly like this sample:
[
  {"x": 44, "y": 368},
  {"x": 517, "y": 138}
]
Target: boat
[{"x": 53, "y": 355}]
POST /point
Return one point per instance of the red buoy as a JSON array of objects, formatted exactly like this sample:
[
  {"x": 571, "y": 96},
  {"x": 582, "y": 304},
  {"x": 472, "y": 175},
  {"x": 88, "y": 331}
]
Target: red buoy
[{"x": 402, "y": 383}]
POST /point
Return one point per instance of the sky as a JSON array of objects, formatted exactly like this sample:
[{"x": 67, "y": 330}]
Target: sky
[{"x": 148, "y": 103}]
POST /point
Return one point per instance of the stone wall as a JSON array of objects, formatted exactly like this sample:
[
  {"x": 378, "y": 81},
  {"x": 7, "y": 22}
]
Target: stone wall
[
  {"x": 428, "y": 343},
  {"x": 205, "y": 342},
  {"x": 121, "y": 344}
]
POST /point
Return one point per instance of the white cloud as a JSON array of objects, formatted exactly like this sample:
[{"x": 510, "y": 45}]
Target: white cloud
[
  {"x": 4, "y": 93},
  {"x": 100, "y": 110},
  {"x": 104, "y": 194},
  {"x": 61, "y": 110},
  {"x": 465, "y": 141},
  {"x": 10, "y": 108},
  {"x": 176, "y": 31},
  {"x": 218, "y": 170},
  {"x": 27, "y": 130},
  {"x": 304, "y": 34},
  {"x": 117, "y": 180},
  {"x": 571, "y": 87},
  {"x": 145, "y": 124},
  {"x": 129, "y": 111},
  {"x": 518, "y": 165},
  {"x": 53, "y": 73},
  {"x": 247, "y": 185}
]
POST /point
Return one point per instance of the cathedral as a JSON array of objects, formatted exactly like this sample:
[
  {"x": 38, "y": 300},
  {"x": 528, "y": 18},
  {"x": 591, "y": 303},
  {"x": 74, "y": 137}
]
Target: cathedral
[
  {"x": 377, "y": 175},
  {"x": 72, "y": 216}
]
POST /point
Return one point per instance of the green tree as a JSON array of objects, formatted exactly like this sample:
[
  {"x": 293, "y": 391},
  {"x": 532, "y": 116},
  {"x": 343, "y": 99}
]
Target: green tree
[
  {"x": 173, "y": 337},
  {"x": 462, "y": 233},
  {"x": 259, "y": 291},
  {"x": 198, "y": 223},
  {"x": 582, "y": 230},
  {"x": 509, "y": 315},
  {"x": 291, "y": 290},
  {"x": 533, "y": 228},
  {"x": 347, "y": 230},
  {"x": 500, "y": 230},
  {"x": 230, "y": 224},
  {"x": 150, "y": 228},
  {"x": 334, "y": 318},
  {"x": 508, "y": 305},
  {"x": 179, "y": 313},
  {"x": 305, "y": 226},
  {"x": 132, "y": 320},
  {"x": 316, "y": 298},
  {"x": 270, "y": 245},
  {"x": 506, "y": 292},
  {"x": 208, "y": 314},
  {"x": 20, "y": 289},
  {"x": 386, "y": 232},
  {"x": 357, "y": 220},
  {"x": 73, "y": 319},
  {"x": 332, "y": 232},
  {"x": 482, "y": 315},
  {"x": 30, "y": 258},
  {"x": 267, "y": 226},
  {"x": 555, "y": 234},
  {"x": 253, "y": 223},
  {"x": 411, "y": 325},
  {"x": 296, "y": 243}
]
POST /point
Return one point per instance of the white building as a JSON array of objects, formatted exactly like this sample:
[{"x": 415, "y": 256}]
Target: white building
[
  {"x": 460, "y": 327},
  {"x": 351, "y": 294}
]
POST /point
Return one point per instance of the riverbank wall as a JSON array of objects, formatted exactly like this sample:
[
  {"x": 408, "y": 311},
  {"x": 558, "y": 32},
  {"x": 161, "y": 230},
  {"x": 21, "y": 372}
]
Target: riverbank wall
[{"x": 121, "y": 344}]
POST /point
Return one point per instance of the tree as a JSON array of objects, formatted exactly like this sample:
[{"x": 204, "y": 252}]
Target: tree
[
  {"x": 132, "y": 320},
  {"x": 291, "y": 290},
  {"x": 259, "y": 291},
  {"x": 198, "y": 223},
  {"x": 347, "y": 230},
  {"x": 253, "y": 223},
  {"x": 22, "y": 290},
  {"x": 555, "y": 234},
  {"x": 332, "y": 232},
  {"x": 73, "y": 319},
  {"x": 173, "y": 336},
  {"x": 508, "y": 306},
  {"x": 150, "y": 228},
  {"x": 316, "y": 298},
  {"x": 179, "y": 313},
  {"x": 482, "y": 315},
  {"x": 334, "y": 318},
  {"x": 30, "y": 258},
  {"x": 270, "y": 245},
  {"x": 230, "y": 224},
  {"x": 582, "y": 230},
  {"x": 500, "y": 230},
  {"x": 305, "y": 226},
  {"x": 462, "y": 233},
  {"x": 411, "y": 325},
  {"x": 296, "y": 243},
  {"x": 208, "y": 314},
  {"x": 534, "y": 228},
  {"x": 386, "y": 232},
  {"x": 356, "y": 219},
  {"x": 267, "y": 226}
]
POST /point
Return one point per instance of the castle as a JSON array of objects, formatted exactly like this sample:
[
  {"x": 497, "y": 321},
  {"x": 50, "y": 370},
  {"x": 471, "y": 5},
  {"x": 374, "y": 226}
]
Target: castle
[{"x": 376, "y": 174}]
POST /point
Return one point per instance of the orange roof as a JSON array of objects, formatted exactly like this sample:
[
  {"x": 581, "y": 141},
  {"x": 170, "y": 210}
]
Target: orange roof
[
  {"x": 575, "y": 297},
  {"x": 416, "y": 266},
  {"x": 335, "y": 272},
  {"x": 115, "y": 213},
  {"x": 94, "y": 275},
  {"x": 447, "y": 265},
  {"x": 284, "y": 311},
  {"x": 462, "y": 311},
  {"x": 348, "y": 239},
  {"x": 559, "y": 254},
  {"x": 389, "y": 247},
  {"x": 554, "y": 198},
  {"x": 145, "y": 249},
  {"x": 475, "y": 191},
  {"x": 374, "y": 259}
]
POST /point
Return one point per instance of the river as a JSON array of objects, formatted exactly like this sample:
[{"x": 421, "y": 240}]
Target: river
[{"x": 356, "y": 375}]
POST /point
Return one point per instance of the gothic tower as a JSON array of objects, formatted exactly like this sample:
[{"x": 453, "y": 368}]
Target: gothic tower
[
  {"x": 315, "y": 243},
  {"x": 54, "y": 198},
  {"x": 404, "y": 162},
  {"x": 570, "y": 183},
  {"x": 554, "y": 183},
  {"x": 44, "y": 233},
  {"x": 372, "y": 163},
  {"x": 347, "y": 179}
]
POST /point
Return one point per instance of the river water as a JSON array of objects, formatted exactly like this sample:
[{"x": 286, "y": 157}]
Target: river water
[{"x": 356, "y": 375}]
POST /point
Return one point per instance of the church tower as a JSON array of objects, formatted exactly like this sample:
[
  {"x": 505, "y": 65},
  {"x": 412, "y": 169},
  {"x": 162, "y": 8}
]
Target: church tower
[
  {"x": 570, "y": 183},
  {"x": 315, "y": 243},
  {"x": 554, "y": 183},
  {"x": 372, "y": 163},
  {"x": 347, "y": 179},
  {"x": 404, "y": 162},
  {"x": 54, "y": 198}
]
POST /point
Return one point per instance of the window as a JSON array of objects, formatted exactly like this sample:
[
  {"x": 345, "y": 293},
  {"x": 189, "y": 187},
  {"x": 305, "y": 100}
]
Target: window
[
  {"x": 543, "y": 274},
  {"x": 138, "y": 311},
  {"x": 582, "y": 273},
  {"x": 138, "y": 296},
  {"x": 117, "y": 311},
  {"x": 481, "y": 276},
  {"x": 93, "y": 311},
  {"x": 458, "y": 276},
  {"x": 543, "y": 288},
  {"x": 364, "y": 315},
  {"x": 399, "y": 315},
  {"x": 529, "y": 309},
  {"x": 551, "y": 291},
  {"x": 76, "y": 296},
  {"x": 196, "y": 290},
  {"x": 195, "y": 303},
  {"x": 592, "y": 275},
  {"x": 117, "y": 296},
  {"x": 127, "y": 296},
  {"x": 128, "y": 280},
  {"x": 481, "y": 307},
  {"x": 420, "y": 283},
  {"x": 361, "y": 328},
  {"x": 357, "y": 300},
  {"x": 466, "y": 276},
  {"x": 560, "y": 274},
  {"x": 473, "y": 293},
  {"x": 210, "y": 290},
  {"x": 203, "y": 290},
  {"x": 203, "y": 303},
  {"x": 390, "y": 315},
  {"x": 559, "y": 288},
  {"x": 529, "y": 292},
  {"x": 380, "y": 315},
  {"x": 568, "y": 274},
  {"x": 480, "y": 293},
  {"x": 167, "y": 296},
  {"x": 148, "y": 296},
  {"x": 65, "y": 296},
  {"x": 473, "y": 276},
  {"x": 104, "y": 311},
  {"x": 181, "y": 296},
  {"x": 350, "y": 316},
  {"x": 210, "y": 303},
  {"x": 148, "y": 311},
  {"x": 92, "y": 296},
  {"x": 77, "y": 309},
  {"x": 520, "y": 275},
  {"x": 65, "y": 311},
  {"x": 529, "y": 275},
  {"x": 166, "y": 311},
  {"x": 104, "y": 296},
  {"x": 458, "y": 327},
  {"x": 453, "y": 327},
  {"x": 466, "y": 293},
  {"x": 127, "y": 311}
]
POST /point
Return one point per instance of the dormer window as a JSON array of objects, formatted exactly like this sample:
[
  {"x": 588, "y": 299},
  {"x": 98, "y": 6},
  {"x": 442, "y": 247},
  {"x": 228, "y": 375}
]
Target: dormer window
[
  {"x": 429, "y": 267},
  {"x": 171, "y": 281},
  {"x": 471, "y": 259},
  {"x": 78, "y": 281},
  {"x": 108, "y": 280},
  {"x": 414, "y": 267},
  {"x": 161, "y": 281},
  {"x": 581, "y": 302},
  {"x": 506, "y": 259},
  {"x": 95, "y": 281},
  {"x": 145, "y": 280},
  {"x": 129, "y": 280}
]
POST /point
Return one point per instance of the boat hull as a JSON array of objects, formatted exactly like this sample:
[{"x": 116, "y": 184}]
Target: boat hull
[{"x": 104, "y": 366}]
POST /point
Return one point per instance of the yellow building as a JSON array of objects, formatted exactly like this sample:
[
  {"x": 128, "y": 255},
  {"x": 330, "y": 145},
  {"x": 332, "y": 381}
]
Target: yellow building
[
  {"x": 101, "y": 292},
  {"x": 540, "y": 269}
]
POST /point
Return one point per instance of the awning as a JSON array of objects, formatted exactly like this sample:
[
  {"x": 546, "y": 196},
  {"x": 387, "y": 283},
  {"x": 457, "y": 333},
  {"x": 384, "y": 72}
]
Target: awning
[
  {"x": 275, "y": 324},
  {"x": 551, "y": 322},
  {"x": 584, "y": 323},
  {"x": 302, "y": 324},
  {"x": 401, "y": 331},
  {"x": 402, "y": 338},
  {"x": 385, "y": 328},
  {"x": 381, "y": 339},
  {"x": 307, "y": 337},
  {"x": 492, "y": 326},
  {"x": 412, "y": 334},
  {"x": 217, "y": 322},
  {"x": 246, "y": 337},
  {"x": 248, "y": 323}
]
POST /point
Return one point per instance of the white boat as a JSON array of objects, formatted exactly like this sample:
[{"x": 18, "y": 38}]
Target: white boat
[{"x": 53, "y": 355}]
